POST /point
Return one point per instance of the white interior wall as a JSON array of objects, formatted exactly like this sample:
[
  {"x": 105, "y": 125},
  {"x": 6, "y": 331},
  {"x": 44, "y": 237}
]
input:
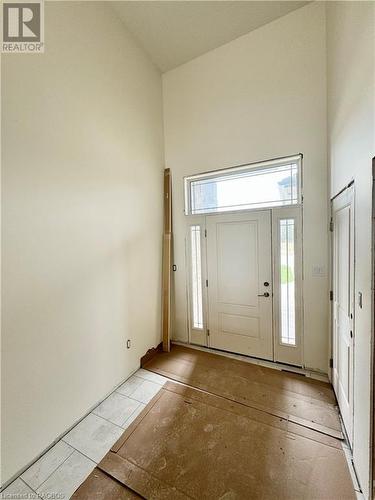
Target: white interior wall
[
  {"x": 350, "y": 44},
  {"x": 260, "y": 96},
  {"x": 82, "y": 223}
]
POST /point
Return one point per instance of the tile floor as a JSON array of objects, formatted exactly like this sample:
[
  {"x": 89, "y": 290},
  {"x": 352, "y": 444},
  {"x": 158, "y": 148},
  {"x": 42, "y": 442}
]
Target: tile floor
[{"x": 59, "y": 472}]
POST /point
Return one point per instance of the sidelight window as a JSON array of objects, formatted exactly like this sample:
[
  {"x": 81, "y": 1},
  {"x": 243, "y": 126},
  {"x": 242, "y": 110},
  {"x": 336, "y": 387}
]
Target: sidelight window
[
  {"x": 287, "y": 281},
  {"x": 196, "y": 277}
]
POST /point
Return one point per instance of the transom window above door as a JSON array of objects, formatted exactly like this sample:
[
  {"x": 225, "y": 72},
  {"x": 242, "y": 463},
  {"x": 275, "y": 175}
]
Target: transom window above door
[{"x": 266, "y": 184}]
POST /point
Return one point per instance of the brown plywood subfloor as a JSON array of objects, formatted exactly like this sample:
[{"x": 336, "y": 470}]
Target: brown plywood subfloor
[
  {"x": 100, "y": 486},
  {"x": 190, "y": 444},
  {"x": 303, "y": 400}
]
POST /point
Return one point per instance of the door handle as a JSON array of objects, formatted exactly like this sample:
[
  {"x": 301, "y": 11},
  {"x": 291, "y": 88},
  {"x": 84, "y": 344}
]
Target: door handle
[{"x": 265, "y": 294}]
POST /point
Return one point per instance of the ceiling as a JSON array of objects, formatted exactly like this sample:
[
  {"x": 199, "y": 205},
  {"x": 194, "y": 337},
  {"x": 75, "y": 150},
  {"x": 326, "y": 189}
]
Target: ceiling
[{"x": 174, "y": 32}]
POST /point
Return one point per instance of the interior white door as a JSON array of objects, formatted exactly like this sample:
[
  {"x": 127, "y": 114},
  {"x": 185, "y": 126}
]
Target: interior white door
[
  {"x": 239, "y": 283},
  {"x": 343, "y": 305}
]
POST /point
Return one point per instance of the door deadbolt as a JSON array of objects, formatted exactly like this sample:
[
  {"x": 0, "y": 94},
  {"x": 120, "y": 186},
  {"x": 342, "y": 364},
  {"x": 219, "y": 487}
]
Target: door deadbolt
[{"x": 266, "y": 283}]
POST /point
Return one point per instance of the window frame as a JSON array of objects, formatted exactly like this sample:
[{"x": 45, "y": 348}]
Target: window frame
[
  {"x": 247, "y": 167},
  {"x": 196, "y": 288},
  {"x": 197, "y": 336},
  {"x": 289, "y": 221},
  {"x": 288, "y": 353}
]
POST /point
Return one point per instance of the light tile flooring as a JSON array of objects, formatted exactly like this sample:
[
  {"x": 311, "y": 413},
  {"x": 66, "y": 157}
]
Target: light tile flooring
[{"x": 59, "y": 472}]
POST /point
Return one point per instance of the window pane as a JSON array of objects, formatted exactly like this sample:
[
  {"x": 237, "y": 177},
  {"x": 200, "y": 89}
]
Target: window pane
[
  {"x": 287, "y": 282},
  {"x": 242, "y": 190},
  {"x": 196, "y": 275}
]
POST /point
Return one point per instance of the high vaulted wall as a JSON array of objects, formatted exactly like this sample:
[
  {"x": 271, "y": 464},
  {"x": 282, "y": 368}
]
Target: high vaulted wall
[
  {"x": 258, "y": 97},
  {"x": 351, "y": 147},
  {"x": 82, "y": 223}
]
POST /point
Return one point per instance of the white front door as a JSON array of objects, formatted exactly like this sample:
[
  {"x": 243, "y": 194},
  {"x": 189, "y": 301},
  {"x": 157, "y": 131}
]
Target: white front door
[
  {"x": 240, "y": 283},
  {"x": 343, "y": 304}
]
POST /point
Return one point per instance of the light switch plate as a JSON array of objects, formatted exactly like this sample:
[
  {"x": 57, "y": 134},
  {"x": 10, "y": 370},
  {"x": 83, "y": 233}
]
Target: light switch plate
[{"x": 319, "y": 270}]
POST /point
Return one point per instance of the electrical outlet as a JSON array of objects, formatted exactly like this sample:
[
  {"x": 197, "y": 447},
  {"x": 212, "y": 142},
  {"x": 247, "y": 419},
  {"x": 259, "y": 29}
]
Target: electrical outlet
[{"x": 128, "y": 344}]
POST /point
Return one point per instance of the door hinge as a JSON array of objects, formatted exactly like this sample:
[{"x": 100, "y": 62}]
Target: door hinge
[
  {"x": 331, "y": 295},
  {"x": 207, "y": 283},
  {"x": 208, "y": 332},
  {"x": 331, "y": 363},
  {"x": 331, "y": 225},
  {"x": 205, "y": 233}
]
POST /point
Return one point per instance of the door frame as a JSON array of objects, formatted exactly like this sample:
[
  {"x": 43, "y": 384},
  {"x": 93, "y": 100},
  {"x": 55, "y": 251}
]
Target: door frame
[
  {"x": 343, "y": 198},
  {"x": 200, "y": 337}
]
